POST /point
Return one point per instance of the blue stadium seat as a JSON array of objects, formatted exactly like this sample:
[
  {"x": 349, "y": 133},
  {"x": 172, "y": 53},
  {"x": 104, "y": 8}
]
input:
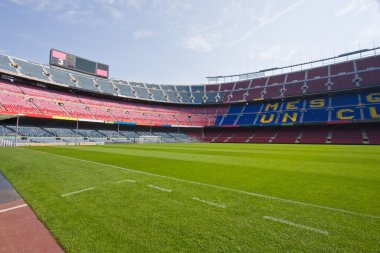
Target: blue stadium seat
[
  {"x": 211, "y": 97},
  {"x": 344, "y": 100},
  {"x": 183, "y": 88},
  {"x": 229, "y": 120},
  {"x": 267, "y": 119},
  {"x": 236, "y": 108},
  {"x": 186, "y": 97},
  {"x": 198, "y": 98},
  {"x": 246, "y": 119},
  {"x": 348, "y": 112},
  {"x": 252, "y": 108},
  {"x": 372, "y": 112},
  {"x": 315, "y": 115}
]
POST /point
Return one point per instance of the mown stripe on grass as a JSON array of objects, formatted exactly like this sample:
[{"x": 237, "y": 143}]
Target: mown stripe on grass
[
  {"x": 338, "y": 210},
  {"x": 274, "y": 163}
]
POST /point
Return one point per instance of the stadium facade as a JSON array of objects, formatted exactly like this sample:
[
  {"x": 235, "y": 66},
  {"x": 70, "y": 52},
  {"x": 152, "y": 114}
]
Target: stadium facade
[{"x": 335, "y": 100}]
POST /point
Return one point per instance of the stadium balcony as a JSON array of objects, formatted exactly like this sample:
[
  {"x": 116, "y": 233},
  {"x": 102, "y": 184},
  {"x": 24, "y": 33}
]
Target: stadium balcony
[
  {"x": 343, "y": 82},
  {"x": 7, "y": 65},
  {"x": 105, "y": 86},
  {"x": 369, "y": 78},
  {"x": 368, "y": 63},
  {"x": 294, "y": 89},
  {"x": 333, "y": 77},
  {"x": 31, "y": 70},
  {"x": 278, "y": 79},
  {"x": 212, "y": 88},
  {"x": 273, "y": 91},
  {"x": 342, "y": 68},
  {"x": 317, "y": 72},
  {"x": 61, "y": 77},
  {"x": 337, "y": 93},
  {"x": 238, "y": 95},
  {"x": 316, "y": 86},
  {"x": 295, "y": 76},
  {"x": 84, "y": 82}
]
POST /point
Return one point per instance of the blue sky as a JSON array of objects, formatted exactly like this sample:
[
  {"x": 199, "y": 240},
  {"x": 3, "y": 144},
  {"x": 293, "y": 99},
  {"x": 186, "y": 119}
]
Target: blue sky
[{"x": 183, "y": 41}]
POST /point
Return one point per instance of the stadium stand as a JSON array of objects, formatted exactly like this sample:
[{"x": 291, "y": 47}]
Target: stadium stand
[{"x": 337, "y": 103}]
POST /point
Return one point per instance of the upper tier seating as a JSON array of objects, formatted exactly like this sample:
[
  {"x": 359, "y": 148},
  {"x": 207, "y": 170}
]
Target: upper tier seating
[
  {"x": 333, "y": 77},
  {"x": 5, "y": 64},
  {"x": 60, "y": 76},
  {"x": 106, "y": 86},
  {"x": 84, "y": 82},
  {"x": 32, "y": 70}
]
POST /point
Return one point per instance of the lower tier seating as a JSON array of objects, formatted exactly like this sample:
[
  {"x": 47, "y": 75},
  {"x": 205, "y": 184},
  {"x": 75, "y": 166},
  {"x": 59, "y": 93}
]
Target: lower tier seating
[{"x": 319, "y": 134}]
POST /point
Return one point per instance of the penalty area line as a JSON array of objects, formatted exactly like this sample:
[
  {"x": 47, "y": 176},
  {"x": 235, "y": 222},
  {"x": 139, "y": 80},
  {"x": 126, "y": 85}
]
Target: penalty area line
[
  {"x": 76, "y": 192},
  {"x": 208, "y": 202},
  {"x": 296, "y": 225},
  {"x": 338, "y": 210},
  {"x": 12, "y": 208}
]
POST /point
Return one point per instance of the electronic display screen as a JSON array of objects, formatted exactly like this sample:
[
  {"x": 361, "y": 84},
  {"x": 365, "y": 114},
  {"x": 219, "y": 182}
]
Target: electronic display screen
[{"x": 72, "y": 62}]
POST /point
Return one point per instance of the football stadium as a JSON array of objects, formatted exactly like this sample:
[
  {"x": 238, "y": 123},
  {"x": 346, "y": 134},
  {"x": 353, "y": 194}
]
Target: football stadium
[{"x": 282, "y": 159}]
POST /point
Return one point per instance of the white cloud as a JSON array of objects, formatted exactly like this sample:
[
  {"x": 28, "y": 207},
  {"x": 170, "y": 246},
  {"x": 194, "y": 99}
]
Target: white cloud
[
  {"x": 173, "y": 8},
  {"x": 46, "y": 5},
  {"x": 200, "y": 42},
  {"x": 142, "y": 34},
  {"x": 129, "y": 3},
  {"x": 358, "y": 5},
  {"x": 271, "y": 17}
]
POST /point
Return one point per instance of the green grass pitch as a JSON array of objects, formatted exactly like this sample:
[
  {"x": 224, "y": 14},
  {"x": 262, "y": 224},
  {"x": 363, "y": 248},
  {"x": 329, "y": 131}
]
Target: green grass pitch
[{"x": 203, "y": 197}]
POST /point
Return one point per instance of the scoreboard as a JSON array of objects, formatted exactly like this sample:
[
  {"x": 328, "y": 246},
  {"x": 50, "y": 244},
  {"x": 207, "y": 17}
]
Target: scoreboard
[{"x": 72, "y": 62}]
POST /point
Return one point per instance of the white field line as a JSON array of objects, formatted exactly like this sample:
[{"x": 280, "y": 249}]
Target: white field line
[
  {"x": 158, "y": 188},
  {"x": 13, "y": 208},
  {"x": 338, "y": 210},
  {"x": 127, "y": 180},
  {"x": 76, "y": 192},
  {"x": 296, "y": 225},
  {"x": 209, "y": 202}
]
